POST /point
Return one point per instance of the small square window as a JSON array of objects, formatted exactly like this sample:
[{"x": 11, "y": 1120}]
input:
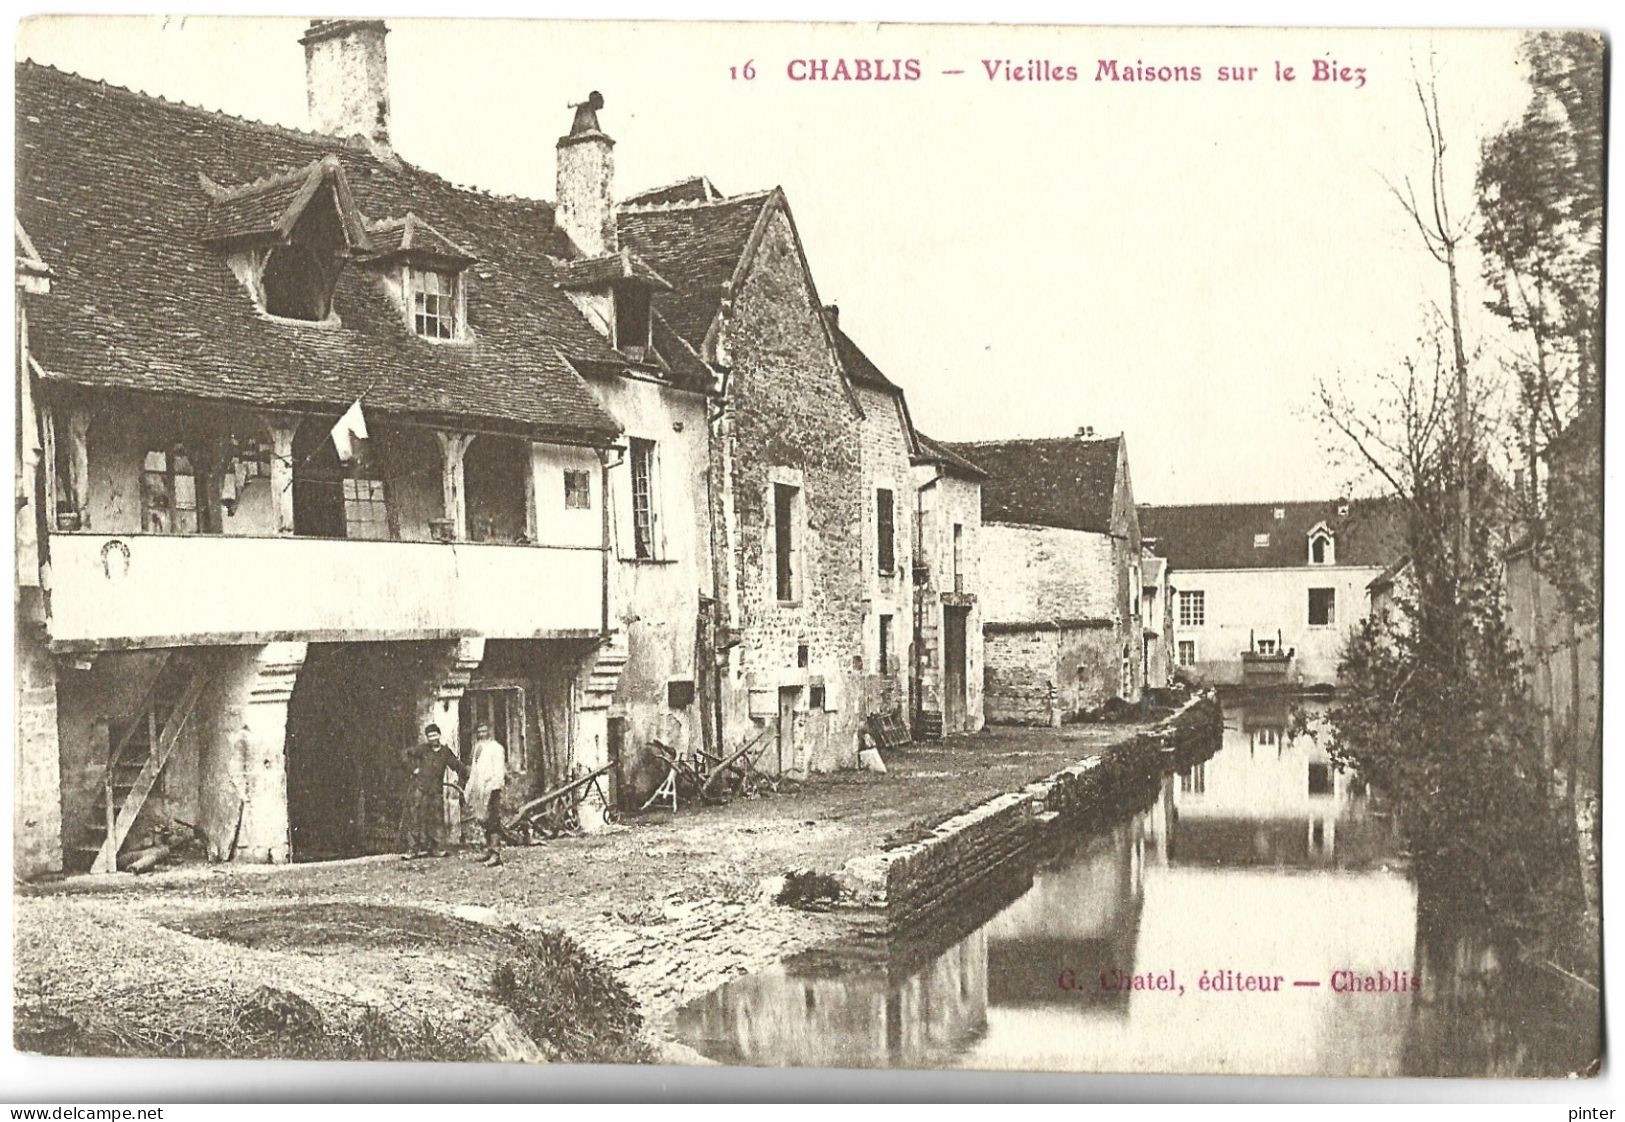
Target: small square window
[
  {"x": 1261, "y": 541},
  {"x": 577, "y": 489},
  {"x": 434, "y": 304},
  {"x": 1187, "y": 652},
  {"x": 1268, "y": 647}
]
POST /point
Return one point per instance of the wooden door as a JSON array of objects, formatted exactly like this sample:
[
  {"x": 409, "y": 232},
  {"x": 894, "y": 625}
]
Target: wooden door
[
  {"x": 954, "y": 701},
  {"x": 787, "y": 728}
]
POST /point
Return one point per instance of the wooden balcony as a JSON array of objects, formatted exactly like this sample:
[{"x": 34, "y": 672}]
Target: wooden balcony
[{"x": 150, "y": 590}]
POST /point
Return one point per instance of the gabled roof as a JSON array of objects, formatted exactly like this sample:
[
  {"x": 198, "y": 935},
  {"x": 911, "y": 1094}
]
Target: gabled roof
[
  {"x": 934, "y": 452},
  {"x": 697, "y": 247},
  {"x": 694, "y": 189},
  {"x": 859, "y": 369},
  {"x": 266, "y": 210},
  {"x": 108, "y": 184},
  {"x": 1222, "y": 535},
  {"x": 1068, "y": 482},
  {"x": 414, "y": 239},
  {"x": 598, "y": 272}
]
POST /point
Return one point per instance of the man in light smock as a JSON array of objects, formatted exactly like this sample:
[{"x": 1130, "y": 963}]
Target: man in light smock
[{"x": 487, "y": 772}]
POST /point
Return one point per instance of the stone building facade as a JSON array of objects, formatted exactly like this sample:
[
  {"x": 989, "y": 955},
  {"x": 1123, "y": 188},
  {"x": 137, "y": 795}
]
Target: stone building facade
[
  {"x": 230, "y": 622},
  {"x": 786, "y": 464},
  {"x": 949, "y": 653},
  {"x": 1060, "y": 581}
]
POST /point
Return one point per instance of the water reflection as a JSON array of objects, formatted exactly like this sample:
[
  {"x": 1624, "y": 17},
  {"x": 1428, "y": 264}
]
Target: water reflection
[{"x": 1262, "y": 863}]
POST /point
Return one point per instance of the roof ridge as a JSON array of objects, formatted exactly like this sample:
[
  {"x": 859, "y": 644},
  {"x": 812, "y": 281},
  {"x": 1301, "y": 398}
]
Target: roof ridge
[
  {"x": 683, "y": 182},
  {"x": 333, "y": 142},
  {"x": 1039, "y": 440},
  {"x": 1268, "y": 502},
  {"x": 221, "y": 193},
  {"x": 692, "y": 204}
]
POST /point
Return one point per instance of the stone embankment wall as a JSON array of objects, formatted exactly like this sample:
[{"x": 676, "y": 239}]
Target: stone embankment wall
[{"x": 908, "y": 881}]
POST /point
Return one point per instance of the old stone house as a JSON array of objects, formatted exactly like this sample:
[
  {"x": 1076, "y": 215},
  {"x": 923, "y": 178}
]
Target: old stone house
[
  {"x": 1268, "y": 591},
  {"x": 236, "y": 626},
  {"x": 948, "y": 638},
  {"x": 1060, "y": 576},
  {"x": 786, "y": 466}
]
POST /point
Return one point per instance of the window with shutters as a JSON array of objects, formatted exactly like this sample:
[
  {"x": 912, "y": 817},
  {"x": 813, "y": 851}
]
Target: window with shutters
[{"x": 885, "y": 531}]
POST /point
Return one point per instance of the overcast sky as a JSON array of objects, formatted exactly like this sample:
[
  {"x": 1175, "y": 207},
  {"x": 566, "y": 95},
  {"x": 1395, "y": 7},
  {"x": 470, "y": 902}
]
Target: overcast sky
[{"x": 1175, "y": 261}]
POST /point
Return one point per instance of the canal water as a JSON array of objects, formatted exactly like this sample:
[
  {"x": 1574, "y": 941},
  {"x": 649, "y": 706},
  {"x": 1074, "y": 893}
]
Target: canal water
[{"x": 1256, "y": 917}]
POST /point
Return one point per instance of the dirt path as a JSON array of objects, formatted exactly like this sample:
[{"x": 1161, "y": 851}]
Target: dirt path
[{"x": 672, "y": 904}]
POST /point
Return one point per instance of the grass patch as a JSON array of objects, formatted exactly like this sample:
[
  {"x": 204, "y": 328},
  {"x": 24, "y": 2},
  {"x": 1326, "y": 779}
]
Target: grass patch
[{"x": 570, "y": 1003}]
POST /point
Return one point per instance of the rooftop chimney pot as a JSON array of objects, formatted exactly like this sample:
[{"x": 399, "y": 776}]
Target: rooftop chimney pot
[{"x": 347, "y": 79}]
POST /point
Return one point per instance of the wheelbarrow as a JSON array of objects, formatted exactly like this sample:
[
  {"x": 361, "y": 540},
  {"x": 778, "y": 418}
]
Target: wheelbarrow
[{"x": 555, "y": 813}]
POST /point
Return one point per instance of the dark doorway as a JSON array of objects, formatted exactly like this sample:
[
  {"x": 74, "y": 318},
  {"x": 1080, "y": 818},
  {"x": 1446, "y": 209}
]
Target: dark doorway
[
  {"x": 954, "y": 702},
  {"x": 350, "y": 715}
]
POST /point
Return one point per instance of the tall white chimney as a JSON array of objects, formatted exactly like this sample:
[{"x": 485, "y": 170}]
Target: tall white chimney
[
  {"x": 347, "y": 79},
  {"x": 586, "y": 180}
]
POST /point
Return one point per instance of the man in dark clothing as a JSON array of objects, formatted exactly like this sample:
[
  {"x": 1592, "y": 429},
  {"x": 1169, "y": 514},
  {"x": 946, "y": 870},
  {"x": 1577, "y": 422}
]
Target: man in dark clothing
[{"x": 424, "y": 766}]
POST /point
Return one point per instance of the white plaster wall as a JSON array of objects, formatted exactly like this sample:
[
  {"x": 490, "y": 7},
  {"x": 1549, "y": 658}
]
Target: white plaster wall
[{"x": 1240, "y": 601}]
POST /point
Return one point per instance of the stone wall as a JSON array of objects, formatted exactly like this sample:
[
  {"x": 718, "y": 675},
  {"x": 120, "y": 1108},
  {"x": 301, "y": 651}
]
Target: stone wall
[
  {"x": 946, "y": 502},
  {"x": 656, "y": 603},
  {"x": 36, "y": 786},
  {"x": 789, "y": 418},
  {"x": 1040, "y": 573},
  {"x": 888, "y": 588},
  {"x": 1036, "y": 672},
  {"x": 909, "y": 882}
]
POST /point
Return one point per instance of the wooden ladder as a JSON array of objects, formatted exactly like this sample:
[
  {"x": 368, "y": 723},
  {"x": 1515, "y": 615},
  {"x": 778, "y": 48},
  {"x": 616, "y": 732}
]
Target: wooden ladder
[{"x": 162, "y": 719}]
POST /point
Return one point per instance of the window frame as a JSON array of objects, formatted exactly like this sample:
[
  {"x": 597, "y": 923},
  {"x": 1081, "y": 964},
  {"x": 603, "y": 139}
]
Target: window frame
[
  {"x": 166, "y": 484},
  {"x": 886, "y": 531},
  {"x": 453, "y": 299},
  {"x": 1193, "y": 608},
  {"x": 786, "y": 501},
  {"x": 1180, "y": 646},
  {"x": 642, "y": 457},
  {"x": 377, "y": 498},
  {"x": 1331, "y": 608},
  {"x": 583, "y": 477}
]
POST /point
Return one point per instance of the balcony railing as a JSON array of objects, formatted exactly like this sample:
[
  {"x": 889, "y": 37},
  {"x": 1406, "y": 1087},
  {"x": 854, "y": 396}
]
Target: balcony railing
[{"x": 163, "y": 590}]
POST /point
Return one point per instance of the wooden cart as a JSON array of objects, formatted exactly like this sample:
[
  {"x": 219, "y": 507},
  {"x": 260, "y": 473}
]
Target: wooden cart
[{"x": 554, "y": 813}]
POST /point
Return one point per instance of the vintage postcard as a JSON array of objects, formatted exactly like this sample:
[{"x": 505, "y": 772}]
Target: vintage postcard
[{"x": 1015, "y": 548}]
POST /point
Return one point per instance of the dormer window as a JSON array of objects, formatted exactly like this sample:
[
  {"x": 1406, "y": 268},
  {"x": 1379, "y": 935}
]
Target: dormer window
[
  {"x": 632, "y": 321},
  {"x": 1322, "y": 546},
  {"x": 434, "y": 303},
  {"x": 288, "y": 236}
]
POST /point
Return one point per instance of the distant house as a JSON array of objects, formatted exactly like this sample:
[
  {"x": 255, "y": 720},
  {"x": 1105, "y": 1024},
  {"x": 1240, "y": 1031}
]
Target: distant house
[
  {"x": 948, "y": 640},
  {"x": 1060, "y": 576},
  {"x": 1267, "y": 591},
  {"x": 1157, "y": 618}
]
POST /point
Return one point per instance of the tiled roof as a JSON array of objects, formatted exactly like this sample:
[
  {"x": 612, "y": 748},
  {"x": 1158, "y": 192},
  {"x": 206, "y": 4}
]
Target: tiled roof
[
  {"x": 1067, "y": 482},
  {"x": 859, "y": 369},
  {"x": 411, "y": 236},
  {"x": 1222, "y": 535},
  {"x": 596, "y": 272},
  {"x": 108, "y": 184},
  {"x": 694, "y": 189},
  {"x": 934, "y": 452},
  {"x": 696, "y": 246}
]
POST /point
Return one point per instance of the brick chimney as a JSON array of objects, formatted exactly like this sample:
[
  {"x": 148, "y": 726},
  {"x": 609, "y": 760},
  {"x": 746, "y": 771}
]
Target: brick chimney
[
  {"x": 347, "y": 79},
  {"x": 586, "y": 179}
]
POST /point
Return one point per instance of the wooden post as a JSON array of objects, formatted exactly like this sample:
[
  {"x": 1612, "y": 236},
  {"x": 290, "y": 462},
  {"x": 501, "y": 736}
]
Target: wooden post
[
  {"x": 533, "y": 531},
  {"x": 453, "y": 446},
  {"x": 78, "y": 463},
  {"x": 282, "y": 428}
]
